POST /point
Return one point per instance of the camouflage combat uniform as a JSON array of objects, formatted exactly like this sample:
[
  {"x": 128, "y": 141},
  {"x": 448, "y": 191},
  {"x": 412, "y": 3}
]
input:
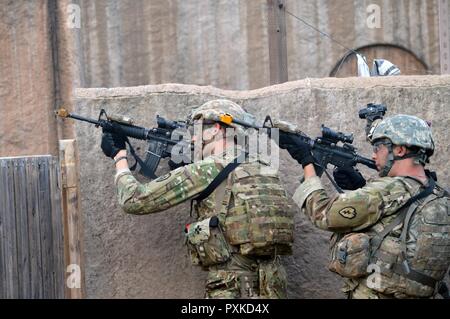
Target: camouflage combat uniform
[
  {"x": 357, "y": 219},
  {"x": 241, "y": 276}
]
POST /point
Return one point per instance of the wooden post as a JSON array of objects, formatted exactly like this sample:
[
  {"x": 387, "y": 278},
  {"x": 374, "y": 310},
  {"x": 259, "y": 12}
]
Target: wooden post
[
  {"x": 277, "y": 41},
  {"x": 444, "y": 45},
  {"x": 73, "y": 226}
]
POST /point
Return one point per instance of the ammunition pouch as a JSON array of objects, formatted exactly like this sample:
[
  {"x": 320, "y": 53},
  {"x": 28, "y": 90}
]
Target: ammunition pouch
[
  {"x": 247, "y": 278},
  {"x": 350, "y": 255},
  {"x": 206, "y": 243}
]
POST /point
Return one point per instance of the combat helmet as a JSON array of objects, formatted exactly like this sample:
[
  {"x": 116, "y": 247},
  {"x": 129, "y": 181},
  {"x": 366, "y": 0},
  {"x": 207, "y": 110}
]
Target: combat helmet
[
  {"x": 405, "y": 130},
  {"x": 212, "y": 110}
]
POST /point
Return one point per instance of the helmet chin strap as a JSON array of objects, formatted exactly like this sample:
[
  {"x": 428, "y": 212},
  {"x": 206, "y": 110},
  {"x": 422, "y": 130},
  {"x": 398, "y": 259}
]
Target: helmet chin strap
[
  {"x": 419, "y": 157},
  {"x": 391, "y": 159},
  {"x": 389, "y": 163}
]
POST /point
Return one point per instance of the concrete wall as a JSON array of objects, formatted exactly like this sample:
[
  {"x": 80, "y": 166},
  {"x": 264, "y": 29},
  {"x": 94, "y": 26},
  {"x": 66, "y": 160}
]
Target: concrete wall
[
  {"x": 225, "y": 43},
  {"x": 131, "y": 256}
]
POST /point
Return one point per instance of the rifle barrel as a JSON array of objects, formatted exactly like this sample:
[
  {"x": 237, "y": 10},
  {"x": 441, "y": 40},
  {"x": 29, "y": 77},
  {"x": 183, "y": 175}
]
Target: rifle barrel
[
  {"x": 84, "y": 119},
  {"x": 365, "y": 161}
]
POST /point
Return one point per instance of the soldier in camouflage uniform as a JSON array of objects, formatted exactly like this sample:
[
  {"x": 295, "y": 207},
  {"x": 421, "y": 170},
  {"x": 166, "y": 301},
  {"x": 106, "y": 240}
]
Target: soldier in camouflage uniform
[
  {"x": 242, "y": 226},
  {"x": 384, "y": 244}
]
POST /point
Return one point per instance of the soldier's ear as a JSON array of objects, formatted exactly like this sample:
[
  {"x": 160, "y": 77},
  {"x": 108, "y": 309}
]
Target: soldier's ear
[
  {"x": 218, "y": 129},
  {"x": 400, "y": 150}
]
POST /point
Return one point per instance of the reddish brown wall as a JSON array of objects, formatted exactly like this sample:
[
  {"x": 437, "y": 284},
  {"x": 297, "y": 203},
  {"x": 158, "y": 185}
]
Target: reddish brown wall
[
  {"x": 37, "y": 75},
  {"x": 26, "y": 82},
  {"x": 224, "y": 43}
]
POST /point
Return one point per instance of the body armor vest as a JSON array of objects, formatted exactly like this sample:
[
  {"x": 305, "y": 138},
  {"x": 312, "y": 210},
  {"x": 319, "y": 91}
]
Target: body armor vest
[
  {"x": 254, "y": 211},
  {"x": 413, "y": 257},
  {"x": 259, "y": 218}
]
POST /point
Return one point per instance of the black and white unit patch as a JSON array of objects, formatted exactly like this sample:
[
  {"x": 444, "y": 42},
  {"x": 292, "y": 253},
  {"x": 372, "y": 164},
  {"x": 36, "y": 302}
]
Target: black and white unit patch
[{"x": 348, "y": 212}]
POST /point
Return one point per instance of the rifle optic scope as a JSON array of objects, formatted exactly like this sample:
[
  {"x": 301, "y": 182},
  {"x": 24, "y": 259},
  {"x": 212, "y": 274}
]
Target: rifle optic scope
[
  {"x": 168, "y": 124},
  {"x": 329, "y": 134},
  {"x": 372, "y": 109}
]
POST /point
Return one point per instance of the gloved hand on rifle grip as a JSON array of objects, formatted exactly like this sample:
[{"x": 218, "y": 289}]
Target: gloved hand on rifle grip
[
  {"x": 112, "y": 143},
  {"x": 297, "y": 148},
  {"x": 348, "y": 178}
]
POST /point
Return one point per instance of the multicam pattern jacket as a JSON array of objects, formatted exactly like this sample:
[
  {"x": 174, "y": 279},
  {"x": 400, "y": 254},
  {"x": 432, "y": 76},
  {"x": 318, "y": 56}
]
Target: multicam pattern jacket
[
  {"x": 166, "y": 191},
  {"x": 370, "y": 210}
]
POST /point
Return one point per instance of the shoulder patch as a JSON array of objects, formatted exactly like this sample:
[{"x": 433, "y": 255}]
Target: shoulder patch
[{"x": 348, "y": 212}]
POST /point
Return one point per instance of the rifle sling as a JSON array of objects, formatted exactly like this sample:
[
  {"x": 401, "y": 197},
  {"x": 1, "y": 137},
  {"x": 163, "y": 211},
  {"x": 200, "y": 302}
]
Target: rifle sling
[
  {"x": 404, "y": 216},
  {"x": 144, "y": 169},
  {"x": 223, "y": 174},
  {"x": 376, "y": 241}
]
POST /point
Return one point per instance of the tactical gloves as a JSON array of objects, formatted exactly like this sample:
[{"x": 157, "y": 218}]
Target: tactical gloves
[
  {"x": 348, "y": 178},
  {"x": 112, "y": 143},
  {"x": 297, "y": 148}
]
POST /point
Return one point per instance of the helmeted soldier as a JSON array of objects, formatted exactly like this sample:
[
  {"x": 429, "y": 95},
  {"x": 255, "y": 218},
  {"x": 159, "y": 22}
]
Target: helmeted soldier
[
  {"x": 392, "y": 236},
  {"x": 244, "y": 221}
]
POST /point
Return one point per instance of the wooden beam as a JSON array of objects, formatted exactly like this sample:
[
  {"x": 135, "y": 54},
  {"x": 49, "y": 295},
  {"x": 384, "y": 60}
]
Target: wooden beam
[
  {"x": 73, "y": 225},
  {"x": 277, "y": 41},
  {"x": 444, "y": 36}
]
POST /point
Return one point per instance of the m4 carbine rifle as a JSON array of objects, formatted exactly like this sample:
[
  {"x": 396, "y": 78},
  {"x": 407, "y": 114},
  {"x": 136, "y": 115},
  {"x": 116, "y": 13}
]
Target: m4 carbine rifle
[
  {"x": 160, "y": 139},
  {"x": 332, "y": 147}
]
